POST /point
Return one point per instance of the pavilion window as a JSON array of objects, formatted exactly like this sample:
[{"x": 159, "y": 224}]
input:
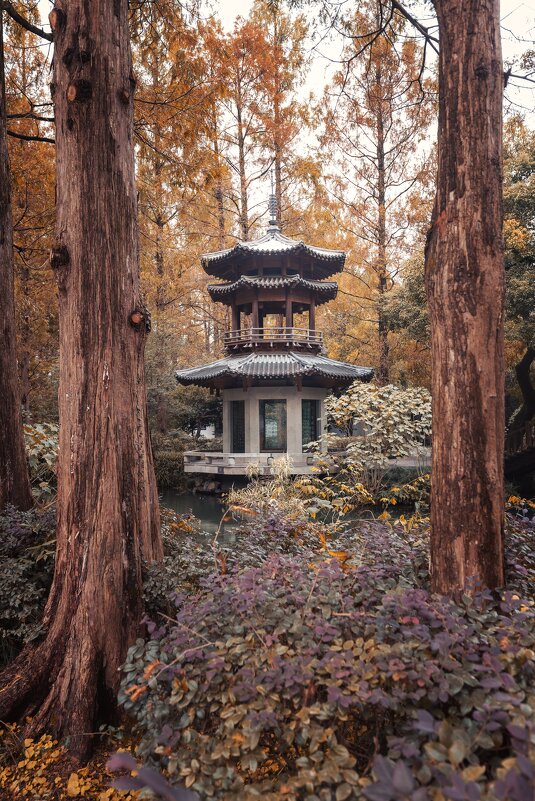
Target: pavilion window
[
  {"x": 273, "y": 425},
  {"x": 237, "y": 426},
  {"x": 310, "y": 421}
]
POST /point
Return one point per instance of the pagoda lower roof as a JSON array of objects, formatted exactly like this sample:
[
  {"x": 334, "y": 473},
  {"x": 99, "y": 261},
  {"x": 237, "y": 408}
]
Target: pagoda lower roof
[
  {"x": 273, "y": 243},
  {"x": 258, "y": 367},
  {"x": 323, "y": 290}
]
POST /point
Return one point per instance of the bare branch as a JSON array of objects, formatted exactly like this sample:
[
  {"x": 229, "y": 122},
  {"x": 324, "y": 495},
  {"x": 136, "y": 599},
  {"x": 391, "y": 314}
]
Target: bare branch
[
  {"x": 432, "y": 40},
  {"x": 26, "y": 138},
  {"x": 14, "y": 14}
]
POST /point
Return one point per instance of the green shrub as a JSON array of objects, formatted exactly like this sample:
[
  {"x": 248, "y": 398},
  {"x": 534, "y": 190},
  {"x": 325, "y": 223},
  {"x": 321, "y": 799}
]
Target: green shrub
[
  {"x": 26, "y": 568},
  {"x": 169, "y": 468},
  {"x": 41, "y": 442}
]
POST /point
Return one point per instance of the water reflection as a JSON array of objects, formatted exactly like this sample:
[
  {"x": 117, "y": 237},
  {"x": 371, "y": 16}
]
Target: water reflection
[{"x": 209, "y": 509}]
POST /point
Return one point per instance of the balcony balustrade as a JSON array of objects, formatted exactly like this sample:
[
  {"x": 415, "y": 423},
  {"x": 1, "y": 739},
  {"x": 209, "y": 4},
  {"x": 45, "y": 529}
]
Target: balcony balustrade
[{"x": 273, "y": 337}]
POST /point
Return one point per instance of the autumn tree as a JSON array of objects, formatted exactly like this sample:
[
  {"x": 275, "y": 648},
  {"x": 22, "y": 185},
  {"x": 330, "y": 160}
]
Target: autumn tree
[
  {"x": 377, "y": 115},
  {"x": 14, "y": 481},
  {"x": 244, "y": 59},
  {"x": 107, "y": 507},
  {"x": 173, "y": 98},
  {"x": 282, "y": 113},
  {"x": 32, "y": 155}
]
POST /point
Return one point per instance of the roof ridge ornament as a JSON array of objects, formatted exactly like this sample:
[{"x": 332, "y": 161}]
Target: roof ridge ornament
[{"x": 273, "y": 224}]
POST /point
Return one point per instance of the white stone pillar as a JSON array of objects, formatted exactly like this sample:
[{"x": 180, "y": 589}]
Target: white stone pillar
[
  {"x": 294, "y": 437},
  {"x": 227, "y": 428},
  {"x": 252, "y": 423}
]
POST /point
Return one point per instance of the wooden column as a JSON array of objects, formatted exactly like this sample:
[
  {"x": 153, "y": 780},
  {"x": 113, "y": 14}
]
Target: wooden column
[
  {"x": 235, "y": 317},
  {"x": 289, "y": 312},
  {"x": 312, "y": 315},
  {"x": 255, "y": 313}
]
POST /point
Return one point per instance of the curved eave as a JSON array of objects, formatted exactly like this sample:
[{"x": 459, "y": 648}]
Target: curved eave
[
  {"x": 258, "y": 367},
  {"x": 273, "y": 245},
  {"x": 224, "y": 293}
]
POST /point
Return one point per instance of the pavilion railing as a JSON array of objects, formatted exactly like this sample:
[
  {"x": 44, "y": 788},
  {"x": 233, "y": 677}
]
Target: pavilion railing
[{"x": 269, "y": 337}]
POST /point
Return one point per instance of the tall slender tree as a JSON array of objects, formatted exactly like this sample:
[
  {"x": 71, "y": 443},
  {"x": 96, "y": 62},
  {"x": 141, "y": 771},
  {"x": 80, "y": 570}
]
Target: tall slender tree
[
  {"x": 376, "y": 118},
  {"x": 465, "y": 288},
  {"x": 14, "y": 481},
  {"x": 244, "y": 59},
  {"x": 282, "y": 114},
  {"x": 32, "y": 168},
  {"x": 107, "y": 502}
]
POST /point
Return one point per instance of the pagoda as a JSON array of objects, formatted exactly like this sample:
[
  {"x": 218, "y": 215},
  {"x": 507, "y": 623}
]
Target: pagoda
[{"x": 275, "y": 376}]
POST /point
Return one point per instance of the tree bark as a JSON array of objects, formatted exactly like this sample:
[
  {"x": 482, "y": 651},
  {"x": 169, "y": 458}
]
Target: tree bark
[
  {"x": 107, "y": 502},
  {"x": 218, "y": 192},
  {"x": 383, "y": 373},
  {"x": 25, "y": 333},
  {"x": 14, "y": 480},
  {"x": 465, "y": 287},
  {"x": 244, "y": 200}
]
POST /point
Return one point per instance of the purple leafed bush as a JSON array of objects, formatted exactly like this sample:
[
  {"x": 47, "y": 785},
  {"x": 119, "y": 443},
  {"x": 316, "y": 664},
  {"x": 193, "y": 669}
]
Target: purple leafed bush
[{"x": 304, "y": 679}]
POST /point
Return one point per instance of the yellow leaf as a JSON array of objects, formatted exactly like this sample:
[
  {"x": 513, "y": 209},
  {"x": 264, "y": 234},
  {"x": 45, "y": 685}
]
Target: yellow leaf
[
  {"x": 149, "y": 670},
  {"x": 343, "y": 556},
  {"x": 73, "y": 787},
  {"x": 473, "y": 772}
]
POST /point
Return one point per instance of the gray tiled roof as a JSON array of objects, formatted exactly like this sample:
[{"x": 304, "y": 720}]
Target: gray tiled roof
[
  {"x": 327, "y": 289},
  {"x": 274, "y": 366},
  {"x": 273, "y": 243}
]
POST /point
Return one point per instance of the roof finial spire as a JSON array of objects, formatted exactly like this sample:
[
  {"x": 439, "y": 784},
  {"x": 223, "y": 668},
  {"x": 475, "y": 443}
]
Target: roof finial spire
[{"x": 272, "y": 205}]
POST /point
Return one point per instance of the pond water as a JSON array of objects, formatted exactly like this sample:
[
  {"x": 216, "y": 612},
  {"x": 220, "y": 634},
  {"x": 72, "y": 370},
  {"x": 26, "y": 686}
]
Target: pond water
[{"x": 209, "y": 509}]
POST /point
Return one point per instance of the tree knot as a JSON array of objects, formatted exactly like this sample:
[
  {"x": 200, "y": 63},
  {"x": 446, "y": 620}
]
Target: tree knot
[
  {"x": 59, "y": 257},
  {"x": 79, "y": 91},
  {"x": 57, "y": 19},
  {"x": 140, "y": 317}
]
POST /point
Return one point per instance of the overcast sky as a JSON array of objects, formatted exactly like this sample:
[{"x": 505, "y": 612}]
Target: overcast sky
[{"x": 518, "y": 35}]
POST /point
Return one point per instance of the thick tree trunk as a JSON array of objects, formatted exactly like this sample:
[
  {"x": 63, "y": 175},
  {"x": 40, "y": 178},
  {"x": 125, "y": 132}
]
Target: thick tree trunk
[
  {"x": 465, "y": 287},
  {"x": 107, "y": 501},
  {"x": 14, "y": 481}
]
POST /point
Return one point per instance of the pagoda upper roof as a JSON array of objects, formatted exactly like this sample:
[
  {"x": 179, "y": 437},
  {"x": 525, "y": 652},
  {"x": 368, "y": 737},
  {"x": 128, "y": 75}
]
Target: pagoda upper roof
[
  {"x": 232, "y": 370},
  {"x": 230, "y": 262},
  {"x": 322, "y": 290}
]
